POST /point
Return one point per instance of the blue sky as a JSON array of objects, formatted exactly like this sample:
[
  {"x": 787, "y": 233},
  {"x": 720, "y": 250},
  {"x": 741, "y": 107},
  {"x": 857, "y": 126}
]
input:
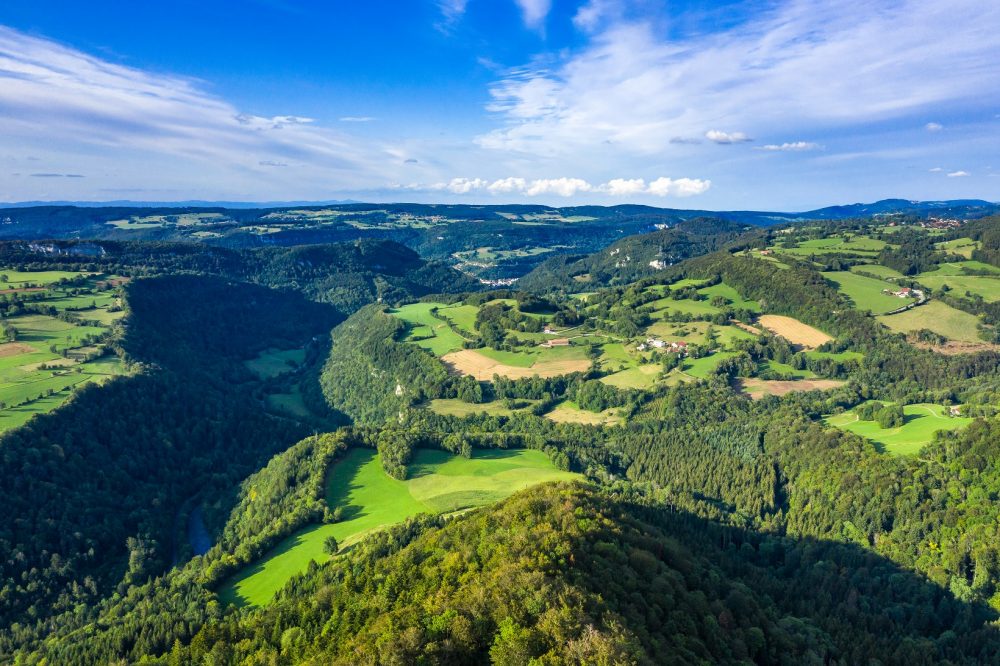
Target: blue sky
[{"x": 716, "y": 105}]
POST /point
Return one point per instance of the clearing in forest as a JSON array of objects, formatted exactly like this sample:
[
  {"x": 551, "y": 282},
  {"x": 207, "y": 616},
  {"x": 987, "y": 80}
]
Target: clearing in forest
[
  {"x": 920, "y": 422},
  {"x": 758, "y": 388},
  {"x": 569, "y": 412},
  {"x": 472, "y": 362},
  {"x": 867, "y": 293},
  {"x": 438, "y": 483},
  {"x": 794, "y": 331},
  {"x": 938, "y": 317}
]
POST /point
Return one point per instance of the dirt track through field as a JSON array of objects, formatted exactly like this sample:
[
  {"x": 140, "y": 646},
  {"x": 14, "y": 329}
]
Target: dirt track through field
[
  {"x": 794, "y": 331},
  {"x": 471, "y": 362}
]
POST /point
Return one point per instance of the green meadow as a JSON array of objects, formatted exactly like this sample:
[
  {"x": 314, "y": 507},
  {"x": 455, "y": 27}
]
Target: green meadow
[
  {"x": 427, "y": 331},
  {"x": 921, "y": 421},
  {"x": 274, "y": 362},
  {"x": 46, "y": 358},
  {"x": 936, "y": 316},
  {"x": 438, "y": 483},
  {"x": 866, "y": 293}
]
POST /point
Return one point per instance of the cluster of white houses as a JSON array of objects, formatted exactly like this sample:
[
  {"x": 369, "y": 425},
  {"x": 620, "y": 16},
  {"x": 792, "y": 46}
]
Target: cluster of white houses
[
  {"x": 655, "y": 343},
  {"x": 904, "y": 292}
]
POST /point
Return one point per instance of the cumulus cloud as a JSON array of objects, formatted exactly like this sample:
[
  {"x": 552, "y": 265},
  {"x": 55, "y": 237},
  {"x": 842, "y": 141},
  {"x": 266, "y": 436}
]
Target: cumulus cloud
[
  {"x": 933, "y": 127},
  {"x": 793, "y": 146},
  {"x": 624, "y": 187},
  {"x": 958, "y": 174},
  {"x": 508, "y": 186},
  {"x": 726, "y": 137},
  {"x": 681, "y": 187},
  {"x": 568, "y": 187}
]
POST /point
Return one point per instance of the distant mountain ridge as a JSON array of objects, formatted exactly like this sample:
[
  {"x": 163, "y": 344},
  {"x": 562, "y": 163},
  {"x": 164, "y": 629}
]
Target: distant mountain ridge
[{"x": 959, "y": 207}]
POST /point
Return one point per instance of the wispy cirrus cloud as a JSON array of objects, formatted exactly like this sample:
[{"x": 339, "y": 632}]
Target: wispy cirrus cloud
[
  {"x": 60, "y": 104},
  {"x": 793, "y": 146},
  {"x": 636, "y": 88}
]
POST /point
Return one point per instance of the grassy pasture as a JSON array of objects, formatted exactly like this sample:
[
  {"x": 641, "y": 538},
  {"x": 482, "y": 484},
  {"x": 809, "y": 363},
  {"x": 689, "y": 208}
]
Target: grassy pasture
[
  {"x": 921, "y": 421},
  {"x": 961, "y": 268},
  {"x": 438, "y": 483},
  {"x": 866, "y": 292},
  {"x": 569, "y": 412},
  {"x": 426, "y": 330},
  {"x": 274, "y": 362},
  {"x": 704, "y": 366},
  {"x": 960, "y": 246},
  {"x": 877, "y": 269},
  {"x": 638, "y": 377},
  {"x": 938, "y": 317},
  {"x": 857, "y": 245},
  {"x": 47, "y": 361},
  {"x": 988, "y": 287}
]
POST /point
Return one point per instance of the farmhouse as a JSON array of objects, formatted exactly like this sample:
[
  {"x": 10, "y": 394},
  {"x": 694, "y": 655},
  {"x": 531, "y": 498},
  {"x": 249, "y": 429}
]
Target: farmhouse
[
  {"x": 656, "y": 342},
  {"x": 904, "y": 292},
  {"x": 766, "y": 253}
]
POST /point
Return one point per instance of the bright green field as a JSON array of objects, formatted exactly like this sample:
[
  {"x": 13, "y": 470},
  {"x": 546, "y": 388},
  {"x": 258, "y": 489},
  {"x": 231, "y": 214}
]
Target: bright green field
[
  {"x": 938, "y": 317},
  {"x": 26, "y": 388},
  {"x": 786, "y": 370},
  {"x": 438, "y": 483},
  {"x": 960, "y": 246},
  {"x": 920, "y": 423},
  {"x": 866, "y": 292},
  {"x": 860, "y": 245},
  {"x": 17, "y": 279},
  {"x": 463, "y": 316},
  {"x": 695, "y": 332},
  {"x": 704, "y": 366},
  {"x": 979, "y": 285},
  {"x": 730, "y": 294},
  {"x": 960, "y": 268},
  {"x": 639, "y": 377},
  {"x": 836, "y": 356},
  {"x": 274, "y": 362},
  {"x": 428, "y": 331},
  {"x": 876, "y": 269}
]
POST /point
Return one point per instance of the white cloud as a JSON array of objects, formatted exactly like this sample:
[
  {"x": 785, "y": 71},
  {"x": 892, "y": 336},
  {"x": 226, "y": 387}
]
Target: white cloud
[
  {"x": 619, "y": 187},
  {"x": 451, "y": 11},
  {"x": 933, "y": 127},
  {"x": 460, "y": 185},
  {"x": 534, "y": 11},
  {"x": 682, "y": 187},
  {"x": 564, "y": 187},
  {"x": 793, "y": 146},
  {"x": 726, "y": 137},
  {"x": 792, "y": 67},
  {"x": 958, "y": 174},
  {"x": 507, "y": 186},
  {"x": 356, "y": 119},
  {"x": 569, "y": 187},
  {"x": 936, "y": 170},
  {"x": 81, "y": 113}
]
